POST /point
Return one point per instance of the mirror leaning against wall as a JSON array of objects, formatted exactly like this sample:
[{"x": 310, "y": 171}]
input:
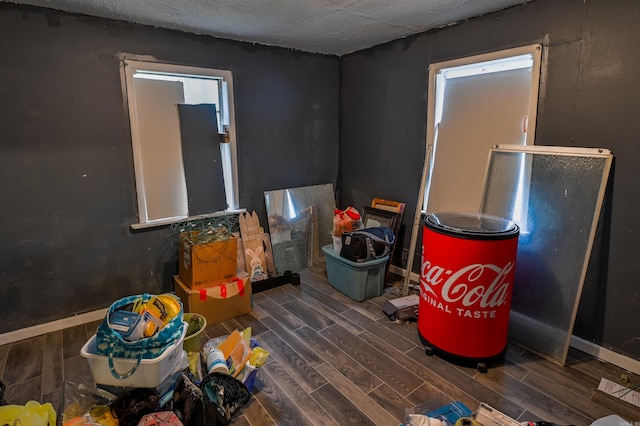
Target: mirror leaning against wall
[{"x": 300, "y": 222}]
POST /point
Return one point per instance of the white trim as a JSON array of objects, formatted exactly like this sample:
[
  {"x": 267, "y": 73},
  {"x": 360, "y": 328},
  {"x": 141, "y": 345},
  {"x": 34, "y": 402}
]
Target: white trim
[
  {"x": 37, "y": 330},
  {"x": 128, "y": 72},
  {"x": 159, "y": 222},
  {"x": 555, "y": 150},
  {"x": 403, "y": 273},
  {"x": 179, "y": 219},
  {"x": 496, "y": 65},
  {"x": 622, "y": 361},
  {"x": 487, "y": 57},
  {"x": 536, "y": 55},
  {"x": 129, "y": 67},
  {"x": 231, "y": 112}
]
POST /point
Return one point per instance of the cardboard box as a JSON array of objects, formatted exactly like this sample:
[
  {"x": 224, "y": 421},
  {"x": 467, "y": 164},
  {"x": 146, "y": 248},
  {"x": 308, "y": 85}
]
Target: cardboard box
[
  {"x": 219, "y": 302},
  {"x": 402, "y": 308},
  {"x": 207, "y": 264}
]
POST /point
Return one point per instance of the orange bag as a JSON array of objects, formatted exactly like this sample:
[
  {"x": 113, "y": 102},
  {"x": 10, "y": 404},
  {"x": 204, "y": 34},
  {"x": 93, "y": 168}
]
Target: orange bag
[{"x": 347, "y": 220}]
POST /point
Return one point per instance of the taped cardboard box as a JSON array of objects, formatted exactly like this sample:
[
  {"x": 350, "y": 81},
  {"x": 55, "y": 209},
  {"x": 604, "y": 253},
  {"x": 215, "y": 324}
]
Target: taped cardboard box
[
  {"x": 219, "y": 302},
  {"x": 203, "y": 265}
]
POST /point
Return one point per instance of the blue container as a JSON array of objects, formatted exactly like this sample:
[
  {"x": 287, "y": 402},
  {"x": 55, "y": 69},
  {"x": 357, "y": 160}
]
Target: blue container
[
  {"x": 359, "y": 281},
  {"x": 129, "y": 324}
]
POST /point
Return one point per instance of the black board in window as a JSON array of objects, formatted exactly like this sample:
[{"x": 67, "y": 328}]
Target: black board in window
[{"x": 201, "y": 158}]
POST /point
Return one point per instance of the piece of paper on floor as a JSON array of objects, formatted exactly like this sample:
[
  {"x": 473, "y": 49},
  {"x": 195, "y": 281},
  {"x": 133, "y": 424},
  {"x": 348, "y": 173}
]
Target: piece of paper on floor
[{"x": 619, "y": 391}]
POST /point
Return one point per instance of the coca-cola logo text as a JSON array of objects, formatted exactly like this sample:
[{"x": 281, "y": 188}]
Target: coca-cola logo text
[{"x": 467, "y": 285}]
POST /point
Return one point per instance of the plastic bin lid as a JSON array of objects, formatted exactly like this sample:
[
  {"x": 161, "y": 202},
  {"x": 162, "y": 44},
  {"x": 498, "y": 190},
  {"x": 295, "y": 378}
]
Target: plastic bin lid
[{"x": 472, "y": 225}]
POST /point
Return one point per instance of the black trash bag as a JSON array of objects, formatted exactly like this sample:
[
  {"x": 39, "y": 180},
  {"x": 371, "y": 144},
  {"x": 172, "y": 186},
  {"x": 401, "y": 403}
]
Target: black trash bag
[
  {"x": 135, "y": 404},
  {"x": 214, "y": 403},
  {"x": 226, "y": 391},
  {"x": 2, "y": 389}
]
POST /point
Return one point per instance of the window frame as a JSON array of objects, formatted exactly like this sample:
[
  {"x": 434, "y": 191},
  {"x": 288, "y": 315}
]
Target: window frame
[
  {"x": 539, "y": 61},
  {"x": 129, "y": 67},
  {"x": 464, "y": 66}
]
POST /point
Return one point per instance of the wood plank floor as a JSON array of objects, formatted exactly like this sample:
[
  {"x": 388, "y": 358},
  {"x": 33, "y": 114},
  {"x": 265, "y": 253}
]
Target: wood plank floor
[{"x": 335, "y": 361}]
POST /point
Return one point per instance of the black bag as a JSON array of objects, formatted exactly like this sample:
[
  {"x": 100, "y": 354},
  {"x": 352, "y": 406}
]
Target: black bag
[
  {"x": 367, "y": 244},
  {"x": 213, "y": 403}
]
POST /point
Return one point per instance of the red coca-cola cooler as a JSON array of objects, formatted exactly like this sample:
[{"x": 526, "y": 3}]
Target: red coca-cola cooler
[{"x": 466, "y": 283}]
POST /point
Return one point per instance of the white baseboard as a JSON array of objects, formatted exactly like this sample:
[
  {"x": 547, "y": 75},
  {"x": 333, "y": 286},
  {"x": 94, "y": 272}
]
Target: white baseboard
[
  {"x": 403, "y": 273},
  {"x": 36, "y": 330},
  {"x": 622, "y": 361},
  {"x": 585, "y": 346}
]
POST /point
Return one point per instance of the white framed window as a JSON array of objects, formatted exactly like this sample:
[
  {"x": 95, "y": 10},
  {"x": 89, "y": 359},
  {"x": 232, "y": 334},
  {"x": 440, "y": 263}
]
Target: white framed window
[
  {"x": 475, "y": 103},
  {"x": 155, "y": 92}
]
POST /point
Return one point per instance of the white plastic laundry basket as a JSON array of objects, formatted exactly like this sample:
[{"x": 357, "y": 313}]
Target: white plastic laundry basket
[{"x": 150, "y": 372}]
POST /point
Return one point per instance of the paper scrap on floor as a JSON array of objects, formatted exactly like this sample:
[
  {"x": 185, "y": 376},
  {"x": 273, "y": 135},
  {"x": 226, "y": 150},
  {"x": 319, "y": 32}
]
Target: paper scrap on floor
[
  {"x": 236, "y": 351},
  {"x": 489, "y": 416},
  {"x": 619, "y": 391}
]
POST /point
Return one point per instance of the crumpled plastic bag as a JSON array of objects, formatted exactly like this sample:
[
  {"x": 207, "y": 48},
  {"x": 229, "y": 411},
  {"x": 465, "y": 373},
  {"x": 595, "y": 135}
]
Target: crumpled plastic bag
[
  {"x": 80, "y": 402},
  {"x": 32, "y": 413},
  {"x": 347, "y": 220}
]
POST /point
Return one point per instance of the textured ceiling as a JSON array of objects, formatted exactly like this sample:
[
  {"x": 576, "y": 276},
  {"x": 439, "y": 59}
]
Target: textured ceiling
[{"x": 325, "y": 26}]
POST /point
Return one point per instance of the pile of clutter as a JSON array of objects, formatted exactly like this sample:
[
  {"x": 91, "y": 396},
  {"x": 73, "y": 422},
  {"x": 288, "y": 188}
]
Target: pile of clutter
[
  {"x": 356, "y": 242},
  {"x": 182, "y": 383},
  {"x": 438, "y": 413},
  {"x": 144, "y": 318},
  {"x": 357, "y": 260},
  {"x": 238, "y": 355}
]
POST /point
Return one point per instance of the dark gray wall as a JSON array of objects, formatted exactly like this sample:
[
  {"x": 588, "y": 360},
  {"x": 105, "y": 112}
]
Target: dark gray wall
[
  {"x": 66, "y": 168},
  {"x": 589, "y": 98}
]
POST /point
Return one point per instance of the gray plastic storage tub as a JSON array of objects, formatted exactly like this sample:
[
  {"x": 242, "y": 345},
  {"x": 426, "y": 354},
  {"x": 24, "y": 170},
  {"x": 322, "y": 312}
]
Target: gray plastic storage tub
[{"x": 359, "y": 281}]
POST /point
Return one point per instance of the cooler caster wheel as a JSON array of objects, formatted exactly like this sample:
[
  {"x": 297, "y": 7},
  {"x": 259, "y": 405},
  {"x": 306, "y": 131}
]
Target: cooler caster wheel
[
  {"x": 428, "y": 350},
  {"x": 482, "y": 367}
]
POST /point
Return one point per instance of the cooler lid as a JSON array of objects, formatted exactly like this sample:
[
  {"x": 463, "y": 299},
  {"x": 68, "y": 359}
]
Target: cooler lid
[{"x": 472, "y": 225}]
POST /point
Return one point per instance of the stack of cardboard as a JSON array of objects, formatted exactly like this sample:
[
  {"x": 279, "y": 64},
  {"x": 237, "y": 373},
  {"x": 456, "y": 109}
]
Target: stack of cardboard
[{"x": 208, "y": 281}]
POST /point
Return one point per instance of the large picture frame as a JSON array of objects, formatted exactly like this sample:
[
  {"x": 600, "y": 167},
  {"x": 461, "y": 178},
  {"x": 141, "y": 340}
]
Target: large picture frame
[{"x": 373, "y": 217}]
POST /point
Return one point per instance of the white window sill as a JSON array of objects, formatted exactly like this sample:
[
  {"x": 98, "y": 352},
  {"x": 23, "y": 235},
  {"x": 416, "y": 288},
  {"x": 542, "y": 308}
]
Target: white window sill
[{"x": 178, "y": 219}]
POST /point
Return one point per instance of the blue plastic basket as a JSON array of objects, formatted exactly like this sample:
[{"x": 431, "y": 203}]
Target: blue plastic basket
[{"x": 359, "y": 281}]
